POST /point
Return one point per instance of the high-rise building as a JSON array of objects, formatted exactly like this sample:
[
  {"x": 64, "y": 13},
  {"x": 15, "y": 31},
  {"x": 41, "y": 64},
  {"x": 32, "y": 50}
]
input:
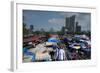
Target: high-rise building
[
  {"x": 70, "y": 24},
  {"x": 67, "y": 26}
]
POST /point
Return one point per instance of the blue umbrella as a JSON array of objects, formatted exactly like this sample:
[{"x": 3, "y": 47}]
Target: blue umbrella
[
  {"x": 55, "y": 40},
  {"x": 26, "y": 52}
]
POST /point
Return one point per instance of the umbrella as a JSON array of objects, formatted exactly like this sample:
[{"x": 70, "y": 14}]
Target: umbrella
[
  {"x": 55, "y": 40},
  {"x": 49, "y": 43}
]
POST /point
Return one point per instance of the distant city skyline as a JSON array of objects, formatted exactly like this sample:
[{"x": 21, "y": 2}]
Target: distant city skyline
[{"x": 56, "y": 20}]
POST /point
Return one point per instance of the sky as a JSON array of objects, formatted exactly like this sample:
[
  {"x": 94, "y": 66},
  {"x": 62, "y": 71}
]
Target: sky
[{"x": 56, "y": 20}]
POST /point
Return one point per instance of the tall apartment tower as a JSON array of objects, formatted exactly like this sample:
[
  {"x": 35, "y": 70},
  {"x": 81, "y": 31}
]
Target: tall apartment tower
[{"x": 70, "y": 24}]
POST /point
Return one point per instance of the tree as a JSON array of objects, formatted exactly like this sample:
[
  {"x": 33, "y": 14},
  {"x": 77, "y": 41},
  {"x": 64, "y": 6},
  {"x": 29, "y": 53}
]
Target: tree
[
  {"x": 42, "y": 31},
  {"x": 25, "y": 30},
  {"x": 37, "y": 32}
]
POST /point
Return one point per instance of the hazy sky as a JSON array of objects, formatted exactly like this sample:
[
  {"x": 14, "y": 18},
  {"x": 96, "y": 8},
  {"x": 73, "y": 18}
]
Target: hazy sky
[{"x": 55, "y": 20}]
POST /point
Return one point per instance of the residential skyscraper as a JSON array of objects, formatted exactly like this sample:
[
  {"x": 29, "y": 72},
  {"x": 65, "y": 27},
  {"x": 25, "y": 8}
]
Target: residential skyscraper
[{"x": 70, "y": 24}]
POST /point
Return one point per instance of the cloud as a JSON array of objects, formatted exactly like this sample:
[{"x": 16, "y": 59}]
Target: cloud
[
  {"x": 69, "y": 14},
  {"x": 57, "y": 21},
  {"x": 84, "y": 19}
]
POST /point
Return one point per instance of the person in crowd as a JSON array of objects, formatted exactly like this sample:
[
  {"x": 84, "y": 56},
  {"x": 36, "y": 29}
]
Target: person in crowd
[
  {"x": 61, "y": 54},
  {"x": 56, "y": 53}
]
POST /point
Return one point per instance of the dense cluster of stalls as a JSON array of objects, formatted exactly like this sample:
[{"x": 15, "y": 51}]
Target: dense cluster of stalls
[{"x": 40, "y": 48}]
